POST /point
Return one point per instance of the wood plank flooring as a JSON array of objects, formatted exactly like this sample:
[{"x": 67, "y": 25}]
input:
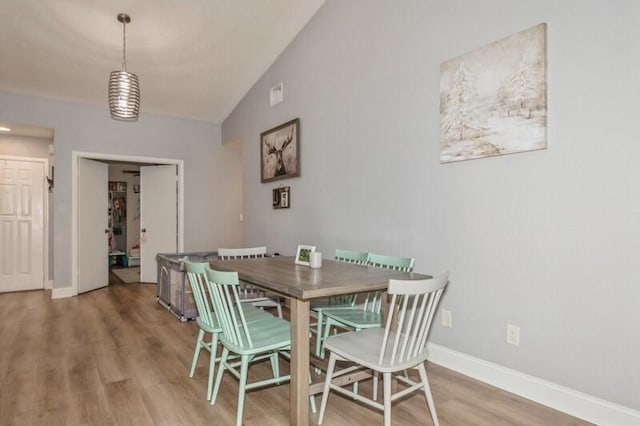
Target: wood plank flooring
[{"x": 116, "y": 357}]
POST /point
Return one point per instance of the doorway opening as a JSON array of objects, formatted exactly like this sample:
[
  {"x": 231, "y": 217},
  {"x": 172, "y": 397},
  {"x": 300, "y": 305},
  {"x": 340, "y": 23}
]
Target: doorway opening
[
  {"x": 124, "y": 222},
  {"x": 80, "y": 256}
]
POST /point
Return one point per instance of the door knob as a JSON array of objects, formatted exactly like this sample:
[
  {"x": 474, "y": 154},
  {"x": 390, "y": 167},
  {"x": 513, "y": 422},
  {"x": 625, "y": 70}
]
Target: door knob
[{"x": 143, "y": 230}]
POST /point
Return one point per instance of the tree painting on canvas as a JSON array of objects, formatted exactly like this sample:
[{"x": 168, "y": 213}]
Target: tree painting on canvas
[{"x": 493, "y": 101}]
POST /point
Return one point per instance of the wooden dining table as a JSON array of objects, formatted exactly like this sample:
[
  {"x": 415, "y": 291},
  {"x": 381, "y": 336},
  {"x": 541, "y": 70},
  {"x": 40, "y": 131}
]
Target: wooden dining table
[{"x": 301, "y": 284}]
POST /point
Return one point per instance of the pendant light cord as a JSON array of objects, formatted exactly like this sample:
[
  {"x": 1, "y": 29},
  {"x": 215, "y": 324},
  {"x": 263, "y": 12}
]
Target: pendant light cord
[{"x": 124, "y": 46}]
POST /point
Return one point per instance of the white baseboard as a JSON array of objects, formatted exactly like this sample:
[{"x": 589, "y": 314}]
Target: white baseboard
[
  {"x": 62, "y": 292},
  {"x": 48, "y": 285},
  {"x": 567, "y": 400}
]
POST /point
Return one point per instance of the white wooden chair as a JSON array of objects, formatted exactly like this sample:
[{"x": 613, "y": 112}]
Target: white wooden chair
[
  {"x": 249, "y": 293},
  {"x": 401, "y": 345}
]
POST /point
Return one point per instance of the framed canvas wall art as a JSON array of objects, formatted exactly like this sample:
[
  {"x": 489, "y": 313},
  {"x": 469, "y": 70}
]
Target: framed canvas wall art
[{"x": 493, "y": 101}]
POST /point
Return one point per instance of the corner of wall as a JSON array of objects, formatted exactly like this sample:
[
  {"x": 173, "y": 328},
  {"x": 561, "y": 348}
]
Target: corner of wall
[{"x": 62, "y": 292}]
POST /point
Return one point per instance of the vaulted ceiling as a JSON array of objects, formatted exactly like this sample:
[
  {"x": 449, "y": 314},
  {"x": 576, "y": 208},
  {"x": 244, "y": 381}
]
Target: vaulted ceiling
[{"x": 194, "y": 58}]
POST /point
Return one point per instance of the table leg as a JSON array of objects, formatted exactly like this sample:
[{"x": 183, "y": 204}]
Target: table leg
[{"x": 299, "y": 388}]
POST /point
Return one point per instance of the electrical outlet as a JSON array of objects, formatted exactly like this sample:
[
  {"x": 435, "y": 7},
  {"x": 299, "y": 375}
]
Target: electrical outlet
[
  {"x": 446, "y": 318},
  {"x": 513, "y": 334}
]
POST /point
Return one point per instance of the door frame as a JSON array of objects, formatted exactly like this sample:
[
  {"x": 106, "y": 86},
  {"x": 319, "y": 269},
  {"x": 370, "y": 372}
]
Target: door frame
[
  {"x": 75, "y": 156},
  {"x": 46, "y": 279}
]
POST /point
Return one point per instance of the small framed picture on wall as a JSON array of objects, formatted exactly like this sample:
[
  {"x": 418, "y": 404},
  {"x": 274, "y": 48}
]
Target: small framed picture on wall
[{"x": 281, "y": 198}]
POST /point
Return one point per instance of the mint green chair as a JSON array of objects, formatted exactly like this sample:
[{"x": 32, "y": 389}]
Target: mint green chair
[
  {"x": 368, "y": 313},
  {"x": 400, "y": 345},
  {"x": 249, "y": 341},
  {"x": 336, "y": 302},
  {"x": 207, "y": 321}
]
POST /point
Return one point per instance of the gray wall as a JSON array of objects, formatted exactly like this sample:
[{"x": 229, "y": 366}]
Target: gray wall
[
  {"x": 25, "y": 146},
  {"x": 212, "y": 178},
  {"x": 547, "y": 240}
]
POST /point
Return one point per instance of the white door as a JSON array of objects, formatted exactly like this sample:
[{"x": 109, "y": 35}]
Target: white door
[
  {"x": 158, "y": 217},
  {"x": 21, "y": 225},
  {"x": 93, "y": 237}
]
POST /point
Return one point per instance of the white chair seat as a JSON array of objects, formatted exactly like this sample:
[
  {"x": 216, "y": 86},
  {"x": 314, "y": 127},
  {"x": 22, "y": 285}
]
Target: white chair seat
[{"x": 363, "y": 347}]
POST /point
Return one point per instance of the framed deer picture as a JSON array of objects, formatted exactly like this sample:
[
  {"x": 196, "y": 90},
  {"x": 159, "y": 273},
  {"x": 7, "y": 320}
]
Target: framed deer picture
[{"x": 280, "y": 152}]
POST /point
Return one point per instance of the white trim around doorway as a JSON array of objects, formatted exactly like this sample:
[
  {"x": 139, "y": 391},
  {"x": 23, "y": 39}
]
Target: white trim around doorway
[{"x": 75, "y": 157}]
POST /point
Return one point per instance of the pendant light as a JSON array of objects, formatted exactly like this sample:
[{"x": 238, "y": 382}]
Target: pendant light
[{"x": 124, "y": 89}]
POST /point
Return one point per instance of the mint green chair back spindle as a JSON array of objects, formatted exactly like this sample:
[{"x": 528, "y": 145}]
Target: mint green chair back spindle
[
  {"x": 350, "y": 256},
  {"x": 248, "y": 341},
  {"x": 404, "y": 264},
  {"x": 336, "y": 302}
]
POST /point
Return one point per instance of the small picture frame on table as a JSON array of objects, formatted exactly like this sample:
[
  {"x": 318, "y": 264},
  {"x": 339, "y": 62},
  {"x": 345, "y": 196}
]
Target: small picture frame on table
[{"x": 303, "y": 255}]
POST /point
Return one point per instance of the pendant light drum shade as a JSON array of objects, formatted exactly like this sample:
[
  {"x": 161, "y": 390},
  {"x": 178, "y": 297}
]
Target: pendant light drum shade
[
  {"x": 124, "y": 88},
  {"x": 124, "y": 95}
]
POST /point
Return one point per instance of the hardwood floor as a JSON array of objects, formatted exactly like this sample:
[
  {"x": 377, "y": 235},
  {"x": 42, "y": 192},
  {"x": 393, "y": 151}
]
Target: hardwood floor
[{"x": 116, "y": 357}]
